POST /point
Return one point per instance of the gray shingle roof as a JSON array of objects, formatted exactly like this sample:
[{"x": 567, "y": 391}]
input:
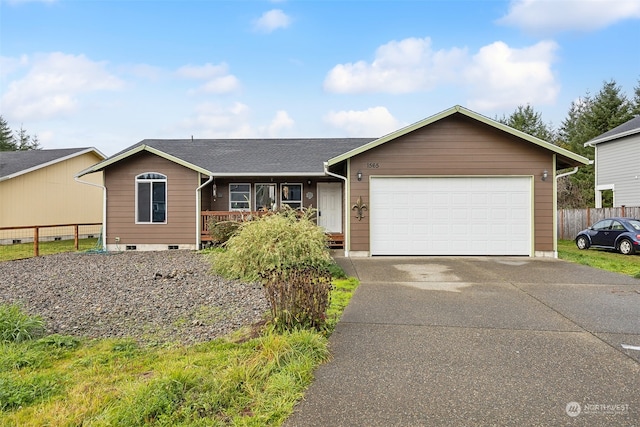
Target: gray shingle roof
[
  {"x": 304, "y": 156},
  {"x": 18, "y": 162},
  {"x": 627, "y": 128}
]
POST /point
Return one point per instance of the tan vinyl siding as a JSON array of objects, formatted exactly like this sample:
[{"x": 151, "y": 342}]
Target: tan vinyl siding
[
  {"x": 456, "y": 146},
  {"x": 51, "y": 195},
  {"x": 120, "y": 181}
]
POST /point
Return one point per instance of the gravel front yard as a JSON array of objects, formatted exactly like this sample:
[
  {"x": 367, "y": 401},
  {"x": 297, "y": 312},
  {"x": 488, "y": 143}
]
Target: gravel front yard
[{"x": 150, "y": 296}]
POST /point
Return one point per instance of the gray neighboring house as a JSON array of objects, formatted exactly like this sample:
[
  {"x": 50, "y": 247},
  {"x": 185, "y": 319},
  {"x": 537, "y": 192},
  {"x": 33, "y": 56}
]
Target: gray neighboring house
[{"x": 617, "y": 162}]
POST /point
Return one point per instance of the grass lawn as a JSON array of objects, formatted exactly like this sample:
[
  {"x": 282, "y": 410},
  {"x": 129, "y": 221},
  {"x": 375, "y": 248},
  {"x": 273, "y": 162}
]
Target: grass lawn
[
  {"x": 241, "y": 380},
  {"x": 25, "y": 250},
  {"x": 605, "y": 260}
]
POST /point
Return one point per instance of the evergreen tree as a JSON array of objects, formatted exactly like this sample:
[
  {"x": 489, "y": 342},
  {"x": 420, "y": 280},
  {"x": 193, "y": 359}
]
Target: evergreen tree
[
  {"x": 636, "y": 100},
  {"x": 7, "y": 141},
  {"x": 610, "y": 108},
  {"x": 527, "y": 120},
  {"x": 26, "y": 142},
  {"x": 588, "y": 118},
  {"x": 22, "y": 142}
]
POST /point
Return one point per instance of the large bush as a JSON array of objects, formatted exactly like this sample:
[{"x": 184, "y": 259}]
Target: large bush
[
  {"x": 287, "y": 252},
  {"x": 281, "y": 241}
]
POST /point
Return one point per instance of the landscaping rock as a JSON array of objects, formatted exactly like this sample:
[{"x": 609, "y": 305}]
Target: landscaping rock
[{"x": 149, "y": 296}]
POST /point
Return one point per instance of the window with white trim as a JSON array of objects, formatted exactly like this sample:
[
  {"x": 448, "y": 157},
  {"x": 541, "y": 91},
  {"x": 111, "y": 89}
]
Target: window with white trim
[
  {"x": 291, "y": 195},
  {"x": 151, "y": 198},
  {"x": 239, "y": 197},
  {"x": 266, "y": 197}
]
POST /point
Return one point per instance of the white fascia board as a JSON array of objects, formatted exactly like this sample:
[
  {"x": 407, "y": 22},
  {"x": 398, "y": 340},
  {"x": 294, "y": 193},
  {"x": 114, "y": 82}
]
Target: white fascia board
[
  {"x": 594, "y": 142},
  {"x": 143, "y": 147},
  {"x": 103, "y": 164},
  {"x": 459, "y": 109},
  {"x": 53, "y": 162},
  {"x": 270, "y": 174}
]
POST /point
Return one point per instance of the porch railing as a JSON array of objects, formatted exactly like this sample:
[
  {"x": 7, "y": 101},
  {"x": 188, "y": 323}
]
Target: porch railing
[
  {"x": 335, "y": 240},
  {"x": 209, "y": 217}
]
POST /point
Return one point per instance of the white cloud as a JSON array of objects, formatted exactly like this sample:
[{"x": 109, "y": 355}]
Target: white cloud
[
  {"x": 500, "y": 76},
  {"x": 53, "y": 85},
  {"x": 547, "y": 17},
  {"x": 376, "y": 121},
  {"x": 496, "y": 76},
  {"x": 202, "y": 72},
  {"x": 10, "y": 65},
  {"x": 281, "y": 123},
  {"x": 404, "y": 66},
  {"x": 224, "y": 84},
  {"x": 212, "y": 120},
  {"x": 271, "y": 21},
  {"x": 219, "y": 80}
]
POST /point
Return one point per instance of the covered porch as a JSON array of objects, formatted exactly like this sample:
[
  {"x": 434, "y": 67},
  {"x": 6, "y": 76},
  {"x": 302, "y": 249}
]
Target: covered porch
[{"x": 334, "y": 240}]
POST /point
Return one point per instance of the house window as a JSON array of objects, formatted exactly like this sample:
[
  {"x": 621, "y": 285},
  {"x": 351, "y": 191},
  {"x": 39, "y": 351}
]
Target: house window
[
  {"x": 151, "y": 198},
  {"x": 239, "y": 197},
  {"x": 291, "y": 195},
  {"x": 266, "y": 197}
]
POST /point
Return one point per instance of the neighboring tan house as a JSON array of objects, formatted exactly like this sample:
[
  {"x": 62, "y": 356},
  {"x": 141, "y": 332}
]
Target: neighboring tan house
[
  {"x": 37, "y": 188},
  {"x": 617, "y": 162},
  {"x": 456, "y": 183}
]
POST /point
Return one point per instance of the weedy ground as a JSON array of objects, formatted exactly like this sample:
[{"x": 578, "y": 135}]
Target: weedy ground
[{"x": 251, "y": 378}]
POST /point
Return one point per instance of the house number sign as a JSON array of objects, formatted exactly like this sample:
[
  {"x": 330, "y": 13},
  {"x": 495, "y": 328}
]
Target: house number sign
[{"x": 373, "y": 165}]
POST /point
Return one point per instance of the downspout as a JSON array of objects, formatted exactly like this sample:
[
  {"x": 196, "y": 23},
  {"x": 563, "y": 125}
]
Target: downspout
[
  {"x": 555, "y": 203},
  {"x": 198, "y": 208},
  {"x": 567, "y": 173},
  {"x": 347, "y": 233},
  {"x": 104, "y": 208}
]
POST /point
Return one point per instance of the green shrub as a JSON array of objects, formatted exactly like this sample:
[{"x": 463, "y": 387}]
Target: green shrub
[
  {"x": 17, "y": 326},
  {"x": 281, "y": 241},
  {"x": 336, "y": 271},
  {"x": 288, "y": 254},
  {"x": 221, "y": 231}
]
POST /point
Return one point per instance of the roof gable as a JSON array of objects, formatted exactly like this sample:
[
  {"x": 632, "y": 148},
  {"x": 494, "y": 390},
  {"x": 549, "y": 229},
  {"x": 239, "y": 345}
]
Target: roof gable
[
  {"x": 16, "y": 163},
  {"x": 243, "y": 157},
  {"x": 296, "y": 157},
  {"x": 630, "y": 127},
  {"x": 569, "y": 158}
]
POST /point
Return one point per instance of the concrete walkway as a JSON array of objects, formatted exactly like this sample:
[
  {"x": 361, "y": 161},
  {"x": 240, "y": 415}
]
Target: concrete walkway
[{"x": 481, "y": 341}]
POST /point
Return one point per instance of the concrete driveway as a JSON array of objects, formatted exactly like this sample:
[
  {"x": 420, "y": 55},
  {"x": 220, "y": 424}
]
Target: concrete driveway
[{"x": 481, "y": 341}]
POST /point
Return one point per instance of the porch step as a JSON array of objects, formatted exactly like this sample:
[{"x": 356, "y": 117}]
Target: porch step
[{"x": 336, "y": 240}]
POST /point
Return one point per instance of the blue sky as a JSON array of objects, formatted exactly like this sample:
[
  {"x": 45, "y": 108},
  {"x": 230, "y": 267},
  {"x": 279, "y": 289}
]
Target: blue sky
[{"x": 108, "y": 74}]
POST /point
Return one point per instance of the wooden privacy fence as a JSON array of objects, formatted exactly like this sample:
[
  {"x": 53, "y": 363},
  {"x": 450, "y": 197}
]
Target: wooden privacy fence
[{"x": 572, "y": 221}]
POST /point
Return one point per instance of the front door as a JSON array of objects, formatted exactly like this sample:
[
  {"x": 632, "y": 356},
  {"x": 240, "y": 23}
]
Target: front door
[{"x": 330, "y": 206}]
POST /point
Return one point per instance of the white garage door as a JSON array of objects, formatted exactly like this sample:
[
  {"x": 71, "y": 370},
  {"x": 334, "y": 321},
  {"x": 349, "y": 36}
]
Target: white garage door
[{"x": 451, "y": 216}]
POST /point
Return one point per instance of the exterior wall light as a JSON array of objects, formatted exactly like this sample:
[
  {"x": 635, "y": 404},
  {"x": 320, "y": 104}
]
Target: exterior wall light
[
  {"x": 359, "y": 175},
  {"x": 545, "y": 175}
]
